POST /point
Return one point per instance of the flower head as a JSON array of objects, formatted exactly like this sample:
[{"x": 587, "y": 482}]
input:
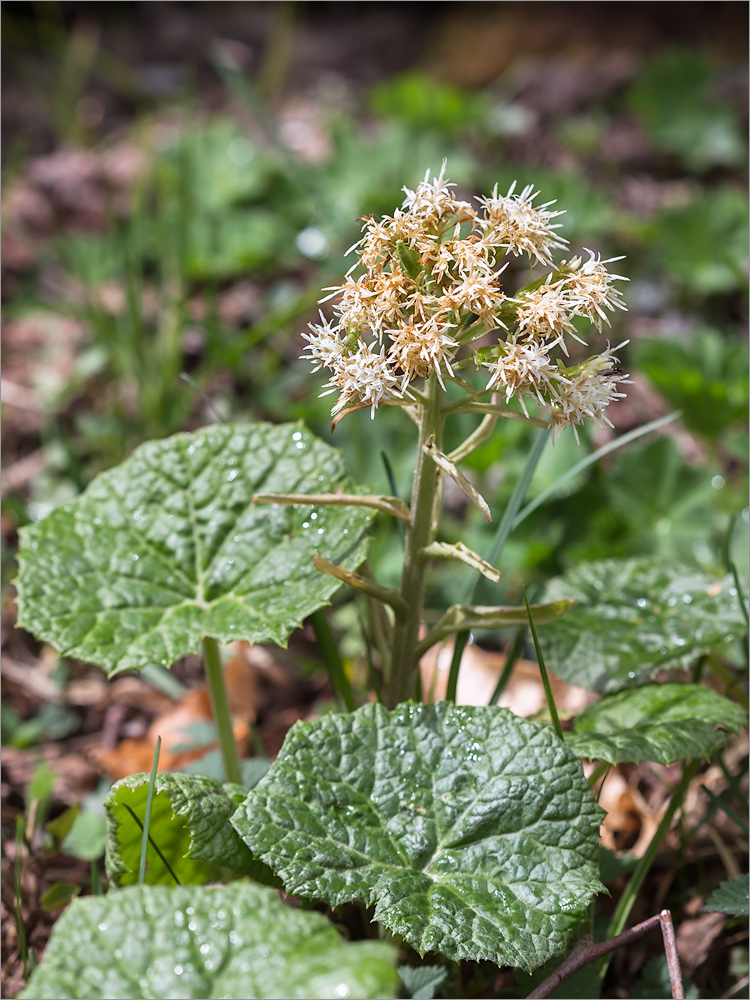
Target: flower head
[
  {"x": 362, "y": 378},
  {"x": 589, "y": 289},
  {"x": 513, "y": 222},
  {"x": 587, "y": 392},
  {"x": 428, "y": 283}
]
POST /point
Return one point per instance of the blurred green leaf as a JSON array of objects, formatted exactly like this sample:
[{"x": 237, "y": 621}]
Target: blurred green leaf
[
  {"x": 731, "y": 897},
  {"x": 61, "y": 826},
  {"x": 676, "y": 98},
  {"x": 422, "y": 982},
  {"x": 613, "y": 866},
  {"x": 240, "y": 940},
  {"x": 58, "y": 895},
  {"x": 423, "y": 102},
  {"x": 705, "y": 376},
  {"x": 212, "y": 766},
  {"x": 702, "y": 245},
  {"x": 41, "y": 785},
  {"x": 87, "y": 837},
  {"x": 667, "y": 504},
  {"x": 654, "y": 982}
]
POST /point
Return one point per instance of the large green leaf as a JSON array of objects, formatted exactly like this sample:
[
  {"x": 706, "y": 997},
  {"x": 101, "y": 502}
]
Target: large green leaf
[
  {"x": 473, "y": 832},
  {"x": 191, "y": 839},
  {"x": 168, "y": 548},
  {"x": 236, "y": 941},
  {"x": 634, "y": 617},
  {"x": 659, "y": 722}
]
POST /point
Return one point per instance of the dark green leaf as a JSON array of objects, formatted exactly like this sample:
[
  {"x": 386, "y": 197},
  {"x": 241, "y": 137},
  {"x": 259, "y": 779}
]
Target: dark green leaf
[
  {"x": 613, "y": 866},
  {"x": 196, "y": 942},
  {"x": 61, "y": 825},
  {"x": 731, "y": 897},
  {"x": 582, "y": 985},
  {"x": 58, "y": 895},
  {"x": 473, "y": 832},
  {"x": 654, "y": 982},
  {"x": 634, "y": 617},
  {"x": 660, "y": 722},
  {"x": 168, "y": 548}
]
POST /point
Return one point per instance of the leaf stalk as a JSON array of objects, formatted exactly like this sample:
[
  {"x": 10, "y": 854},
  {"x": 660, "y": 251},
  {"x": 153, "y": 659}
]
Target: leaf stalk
[{"x": 220, "y": 704}]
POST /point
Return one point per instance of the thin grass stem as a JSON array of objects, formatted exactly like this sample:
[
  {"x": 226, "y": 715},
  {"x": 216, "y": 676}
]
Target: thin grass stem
[
  {"x": 147, "y": 816},
  {"x": 342, "y": 689}
]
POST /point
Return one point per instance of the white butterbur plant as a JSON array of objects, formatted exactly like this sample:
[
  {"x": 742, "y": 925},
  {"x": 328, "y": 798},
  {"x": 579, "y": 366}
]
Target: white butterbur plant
[
  {"x": 427, "y": 296},
  {"x": 465, "y": 831}
]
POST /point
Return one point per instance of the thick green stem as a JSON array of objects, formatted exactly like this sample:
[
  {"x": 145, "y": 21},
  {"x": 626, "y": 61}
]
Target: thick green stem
[
  {"x": 401, "y": 677},
  {"x": 220, "y": 704}
]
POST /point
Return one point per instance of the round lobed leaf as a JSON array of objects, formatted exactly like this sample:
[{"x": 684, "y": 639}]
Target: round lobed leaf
[
  {"x": 168, "y": 547},
  {"x": 239, "y": 941},
  {"x": 473, "y": 832},
  {"x": 634, "y": 617}
]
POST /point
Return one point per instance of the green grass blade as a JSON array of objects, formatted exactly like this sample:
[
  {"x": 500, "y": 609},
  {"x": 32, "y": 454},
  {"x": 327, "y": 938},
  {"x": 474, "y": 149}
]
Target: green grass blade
[
  {"x": 720, "y": 804},
  {"x": 371, "y": 669},
  {"x": 619, "y": 442},
  {"x": 543, "y": 670},
  {"x": 462, "y": 639},
  {"x": 18, "y": 895},
  {"x": 510, "y": 514},
  {"x": 147, "y": 817},
  {"x": 153, "y": 844},
  {"x": 504, "y": 529},
  {"x": 510, "y": 662},
  {"x": 393, "y": 488},
  {"x": 626, "y": 901},
  {"x": 330, "y": 653}
]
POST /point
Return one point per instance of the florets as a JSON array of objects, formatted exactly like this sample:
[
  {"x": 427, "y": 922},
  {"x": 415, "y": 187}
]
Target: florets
[{"x": 427, "y": 285}]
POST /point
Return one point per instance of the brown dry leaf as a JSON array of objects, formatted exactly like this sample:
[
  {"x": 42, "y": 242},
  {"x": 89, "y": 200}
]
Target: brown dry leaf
[
  {"x": 132, "y": 756},
  {"x": 695, "y": 939},
  {"x": 241, "y": 678},
  {"x": 74, "y": 774},
  {"x": 479, "y": 674},
  {"x": 630, "y": 823}
]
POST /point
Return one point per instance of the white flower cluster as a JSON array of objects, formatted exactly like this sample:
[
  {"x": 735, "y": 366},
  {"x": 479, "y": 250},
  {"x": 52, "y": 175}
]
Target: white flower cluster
[{"x": 431, "y": 286}]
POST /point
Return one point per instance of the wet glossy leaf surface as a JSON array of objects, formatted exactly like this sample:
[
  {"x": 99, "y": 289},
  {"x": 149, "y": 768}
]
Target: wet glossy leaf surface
[
  {"x": 239, "y": 941},
  {"x": 168, "y": 547},
  {"x": 634, "y": 617},
  {"x": 660, "y": 722},
  {"x": 471, "y": 831}
]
